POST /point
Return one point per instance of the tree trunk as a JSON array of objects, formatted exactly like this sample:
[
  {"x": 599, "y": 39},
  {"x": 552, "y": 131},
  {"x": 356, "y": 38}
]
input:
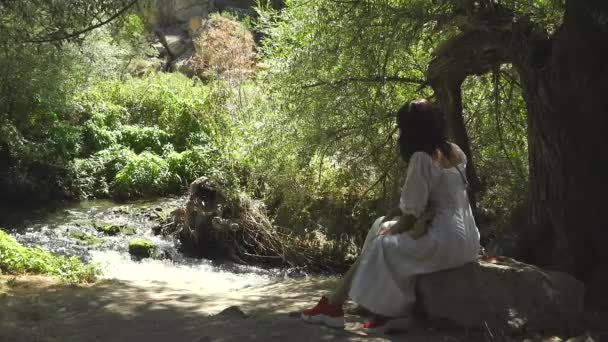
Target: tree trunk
[
  {"x": 565, "y": 83},
  {"x": 449, "y": 96},
  {"x": 568, "y": 110}
]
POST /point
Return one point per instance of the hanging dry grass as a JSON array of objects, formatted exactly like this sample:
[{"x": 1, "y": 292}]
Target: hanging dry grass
[
  {"x": 259, "y": 241},
  {"x": 223, "y": 49}
]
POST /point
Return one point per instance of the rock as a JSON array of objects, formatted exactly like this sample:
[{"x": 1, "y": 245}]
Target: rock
[
  {"x": 170, "y": 12},
  {"x": 84, "y": 237},
  {"x": 183, "y": 64},
  {"x": 507, "y": 297},
  {"x": 178, "y": 45},
  {"x": 141, "y": 249},
  {"x": 597, "y": 285},
  {"x": 109, "y": 229},
  {"x": 582, "y": 338},
  {"x": 233, "y": 312},
  {"x": 115, "y": 229}
]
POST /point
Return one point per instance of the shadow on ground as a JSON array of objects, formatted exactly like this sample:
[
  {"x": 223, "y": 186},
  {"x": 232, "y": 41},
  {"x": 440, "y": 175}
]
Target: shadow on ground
[{"x": 38, "y": 309}]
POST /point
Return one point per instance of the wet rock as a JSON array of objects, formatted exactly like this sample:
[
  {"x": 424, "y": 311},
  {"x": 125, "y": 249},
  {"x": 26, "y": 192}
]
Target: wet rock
[
  {"x": 503, "y": 297},
  {"x": 141, "y": 249},
  {"x": 128, "y": 230},
  {"x": 87, "y": 239},
  {"x": 115, "y": 229},
  {"x": 109, "y": 229}
]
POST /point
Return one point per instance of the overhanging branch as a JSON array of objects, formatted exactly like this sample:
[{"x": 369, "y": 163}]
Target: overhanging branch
[
  {"x": 52, "y": 38},
  {"x": 375, "y": 79}
]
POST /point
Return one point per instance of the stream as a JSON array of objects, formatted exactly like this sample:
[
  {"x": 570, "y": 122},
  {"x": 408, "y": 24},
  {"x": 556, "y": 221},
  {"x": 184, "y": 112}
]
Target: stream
[{"x": 74, "y": 230}]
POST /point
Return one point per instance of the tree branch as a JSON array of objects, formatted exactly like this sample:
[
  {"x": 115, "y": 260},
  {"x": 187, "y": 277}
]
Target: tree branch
[
  {"x": 380, "y": 79},
  {"x": 50, "y": 38}
]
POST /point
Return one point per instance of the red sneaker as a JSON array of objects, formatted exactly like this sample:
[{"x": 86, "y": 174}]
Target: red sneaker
[
  {"x": 325, "y": 313},
  {"x": 381, "y": 325}
]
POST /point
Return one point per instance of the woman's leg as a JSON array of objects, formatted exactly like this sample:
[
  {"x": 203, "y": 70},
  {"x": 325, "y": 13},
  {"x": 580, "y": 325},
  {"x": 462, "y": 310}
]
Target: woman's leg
[
  {"x": 340, "y": 293},
  {"x": 329, "y": 309}
]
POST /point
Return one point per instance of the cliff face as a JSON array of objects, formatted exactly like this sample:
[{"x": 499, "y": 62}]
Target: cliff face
[
  {"x": 177, "y": 23},
  {"x": 166, "y": 13}
]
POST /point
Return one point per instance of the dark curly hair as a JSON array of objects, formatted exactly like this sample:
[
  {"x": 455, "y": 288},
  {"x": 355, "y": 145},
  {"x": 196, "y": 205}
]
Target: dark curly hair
[{"x": 422, "y": 128}]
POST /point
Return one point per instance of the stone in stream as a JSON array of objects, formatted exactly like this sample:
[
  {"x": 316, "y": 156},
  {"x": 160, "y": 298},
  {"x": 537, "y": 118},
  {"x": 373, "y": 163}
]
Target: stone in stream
[
  {"x": 109, "y": 229},
  {"x": 503, "y": 297},
  {"x": 87, "y": 239},
  {"x": 115, "y": 229},
  {"x": 141, "y": 249}
]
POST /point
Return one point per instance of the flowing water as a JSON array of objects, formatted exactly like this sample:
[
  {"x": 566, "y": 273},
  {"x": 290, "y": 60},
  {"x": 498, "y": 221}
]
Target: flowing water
[{"x": 73, "y": 230}]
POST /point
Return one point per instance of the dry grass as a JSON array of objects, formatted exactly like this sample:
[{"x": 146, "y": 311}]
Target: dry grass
[{"x": 224, "y": 49}]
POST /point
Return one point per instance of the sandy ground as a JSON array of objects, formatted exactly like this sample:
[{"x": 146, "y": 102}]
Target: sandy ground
[{"x": 41, "y": 309}]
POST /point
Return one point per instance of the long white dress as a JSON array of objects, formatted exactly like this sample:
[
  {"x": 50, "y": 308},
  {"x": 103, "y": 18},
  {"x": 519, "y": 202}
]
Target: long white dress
[{"x": 384, "y": 281}]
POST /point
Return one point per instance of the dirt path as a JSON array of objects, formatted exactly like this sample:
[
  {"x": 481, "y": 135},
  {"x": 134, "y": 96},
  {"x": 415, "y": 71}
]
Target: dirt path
[{"x": 40, "y": 309}]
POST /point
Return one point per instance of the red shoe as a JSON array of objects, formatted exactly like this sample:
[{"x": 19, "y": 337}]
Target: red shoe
[
  {"x": 382, "y": 325},
  {"x": 325, "y": 313}
]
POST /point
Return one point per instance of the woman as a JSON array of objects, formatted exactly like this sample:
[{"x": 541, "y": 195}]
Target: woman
[{"x": 383, "y": 278}]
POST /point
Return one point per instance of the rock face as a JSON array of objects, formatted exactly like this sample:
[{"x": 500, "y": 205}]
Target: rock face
[
  {"x": 507, "y": 297},
  {"x": 176, "y": 23},
  {"x": 172, "y": 12}
]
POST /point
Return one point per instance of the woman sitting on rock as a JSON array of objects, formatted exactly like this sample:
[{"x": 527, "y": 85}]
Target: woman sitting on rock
[{"x": 431, "y": 230}]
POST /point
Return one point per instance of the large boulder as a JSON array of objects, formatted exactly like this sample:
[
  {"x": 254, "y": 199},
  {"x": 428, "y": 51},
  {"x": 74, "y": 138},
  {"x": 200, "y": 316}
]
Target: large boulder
[
  {"x": 508, "y": 296},
  {"x": 171, "y": 12}
]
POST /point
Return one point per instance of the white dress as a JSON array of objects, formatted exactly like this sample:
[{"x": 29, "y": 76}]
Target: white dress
[{"x": 384, "y": 281}]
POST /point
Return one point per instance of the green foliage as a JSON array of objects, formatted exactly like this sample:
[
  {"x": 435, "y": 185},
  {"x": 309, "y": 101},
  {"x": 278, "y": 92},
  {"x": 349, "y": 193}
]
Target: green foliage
[
  {"x": 151, "y": 136},
  {"x": 45, "y": 128},
  {"x": 92, "y": 176},
  {"x": 496, "y": 119},
  {"x": 17, "y": 259},
  {"x": 144, "y": 175},
  {"x": 144, "y": 138}
]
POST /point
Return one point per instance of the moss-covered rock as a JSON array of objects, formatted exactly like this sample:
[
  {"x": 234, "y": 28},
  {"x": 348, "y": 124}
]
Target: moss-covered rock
[
  {"x": 141, "y": 249},
  {"x": 87, "y": 239},
  {"x": 109, "y": 229},
  {"x": 115, "y": 229},
  {"x": 128, "y": 230}
]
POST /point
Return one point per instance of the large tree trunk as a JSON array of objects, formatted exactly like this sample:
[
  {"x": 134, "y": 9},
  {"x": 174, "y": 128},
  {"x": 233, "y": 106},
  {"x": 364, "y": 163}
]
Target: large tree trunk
[
  {"x": 568, "y": 110},
  {"x": 565, "y": 83}
]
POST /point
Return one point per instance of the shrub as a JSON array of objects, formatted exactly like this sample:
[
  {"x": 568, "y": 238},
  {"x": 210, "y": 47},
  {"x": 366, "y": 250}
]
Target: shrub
[
  {"x": 145, "y": 174},
  {"x": 224, "y": 48},
  {"x": 17, "y": 259},
  {"x": 92, "y": 176},
  {"x": 144, "y": 138}
]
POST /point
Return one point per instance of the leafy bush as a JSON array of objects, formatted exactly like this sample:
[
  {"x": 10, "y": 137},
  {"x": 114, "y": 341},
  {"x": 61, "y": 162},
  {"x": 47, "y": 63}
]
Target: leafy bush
[
  {"x": 141, "y": 139},
  {"x": 145, "y": 174},
  {"x": 92, "y": 176},
  {"x": 17, "y": 259}
]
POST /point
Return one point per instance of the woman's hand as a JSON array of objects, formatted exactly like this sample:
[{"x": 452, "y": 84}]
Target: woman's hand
[
  {"x": 392, "y": 229},
  {"x": 420, "y": 227},
  {"x": 392, "y": 214},
  {"x": 387, "y": 231}
]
